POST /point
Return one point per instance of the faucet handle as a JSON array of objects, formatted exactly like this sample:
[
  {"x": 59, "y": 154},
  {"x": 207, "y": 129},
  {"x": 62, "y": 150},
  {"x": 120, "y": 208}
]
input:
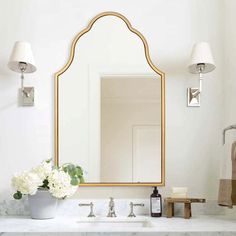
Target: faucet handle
[
  {"x": 91, "y": 214},
  {"x": 131, "y": 214}
]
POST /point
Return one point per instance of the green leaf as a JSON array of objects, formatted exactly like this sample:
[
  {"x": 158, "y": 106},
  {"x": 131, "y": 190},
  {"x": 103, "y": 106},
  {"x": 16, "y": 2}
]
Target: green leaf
[
  {"x": 70, "y": 167},
  {"x": 49, "y": 160},
  {"x": 74, "y": 181},
  {"x": 81, "y": 178},
  {"x": 72, "y": 172},
  {"x": 75, "y": 172},
  {"x": 79, "y": 171},
  {"x": 17, "y": 195},
  {"x": 45, "y": 184}
]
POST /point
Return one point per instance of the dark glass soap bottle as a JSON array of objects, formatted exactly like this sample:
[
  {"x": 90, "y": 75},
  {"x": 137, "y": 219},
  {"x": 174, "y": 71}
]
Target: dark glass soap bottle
[{"x": 155, "y": 203}]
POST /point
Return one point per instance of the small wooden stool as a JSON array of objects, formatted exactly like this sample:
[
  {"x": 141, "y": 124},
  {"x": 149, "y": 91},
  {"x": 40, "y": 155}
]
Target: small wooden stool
[{"x": 187, "y": 205}]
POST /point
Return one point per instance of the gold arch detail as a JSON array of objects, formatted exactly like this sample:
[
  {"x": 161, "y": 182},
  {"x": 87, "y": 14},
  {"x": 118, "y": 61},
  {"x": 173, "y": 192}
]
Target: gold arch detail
[{"x": 67, "y": 65}]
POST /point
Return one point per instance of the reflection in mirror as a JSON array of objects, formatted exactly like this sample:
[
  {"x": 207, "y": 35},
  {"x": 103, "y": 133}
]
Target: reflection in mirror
[
  {"x": 130, "y": 129},
  {"x": 110, "y": 107}
]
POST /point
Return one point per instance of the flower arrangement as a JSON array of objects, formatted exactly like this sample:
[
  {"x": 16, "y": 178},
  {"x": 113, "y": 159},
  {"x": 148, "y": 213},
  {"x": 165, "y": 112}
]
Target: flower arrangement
[{"x": 61, "y": 182}]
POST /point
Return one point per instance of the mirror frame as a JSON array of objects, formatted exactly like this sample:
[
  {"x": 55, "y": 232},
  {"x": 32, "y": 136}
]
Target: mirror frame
[{"x": 154, "y": 68}]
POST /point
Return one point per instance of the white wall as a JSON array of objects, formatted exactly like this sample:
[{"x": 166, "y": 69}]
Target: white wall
[
  {"x": 193, "y": 135},
  {"x": 229, "y": 75}
]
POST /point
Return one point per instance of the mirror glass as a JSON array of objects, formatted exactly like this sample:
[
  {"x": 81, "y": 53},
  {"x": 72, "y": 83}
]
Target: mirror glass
[
  {"x": 130, "y": 129},
  {"x": 109, "y": 108}
]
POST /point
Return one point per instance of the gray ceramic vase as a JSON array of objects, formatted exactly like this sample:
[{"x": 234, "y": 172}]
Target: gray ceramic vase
[{"x": 42, "y": 205}]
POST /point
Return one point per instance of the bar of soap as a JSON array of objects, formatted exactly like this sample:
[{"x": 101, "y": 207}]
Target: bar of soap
[{"x": 179, "y": 192}]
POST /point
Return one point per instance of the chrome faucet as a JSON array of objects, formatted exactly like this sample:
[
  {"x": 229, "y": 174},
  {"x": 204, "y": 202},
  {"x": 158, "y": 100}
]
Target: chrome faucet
[
  {"x": 131, "y": 214},
  {"x": 91, "y": 214},
  {"x": 111, "y": 209}
]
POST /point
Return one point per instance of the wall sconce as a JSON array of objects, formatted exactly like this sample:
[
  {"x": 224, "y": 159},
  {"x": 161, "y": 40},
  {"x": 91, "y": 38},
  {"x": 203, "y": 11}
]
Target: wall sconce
[
  {"x": 201, "y": 62},
  {"x": 22, "y": 61}
]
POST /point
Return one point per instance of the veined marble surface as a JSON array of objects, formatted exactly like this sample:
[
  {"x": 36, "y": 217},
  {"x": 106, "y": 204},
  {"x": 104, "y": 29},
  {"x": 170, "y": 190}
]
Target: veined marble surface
[
  {"x": 208, "y": 219},
  {"x": 204, "y": 225}
]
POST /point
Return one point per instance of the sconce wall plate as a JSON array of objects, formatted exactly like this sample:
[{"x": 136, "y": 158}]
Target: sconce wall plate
[
  {"x": 27, "y": 96},
  {"x": 193, "y": 100}
]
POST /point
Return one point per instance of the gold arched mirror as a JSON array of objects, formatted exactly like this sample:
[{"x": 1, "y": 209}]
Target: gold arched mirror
[{"x": 110, "y": 106}]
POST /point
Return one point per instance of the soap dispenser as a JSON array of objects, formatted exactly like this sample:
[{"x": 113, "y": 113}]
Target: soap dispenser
[{"x": 155, "y": 203}]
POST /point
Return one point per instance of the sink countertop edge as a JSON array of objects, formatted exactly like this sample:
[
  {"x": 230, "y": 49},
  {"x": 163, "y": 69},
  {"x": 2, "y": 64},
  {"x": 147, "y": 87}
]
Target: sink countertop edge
[{"x": 199, "y": 224}]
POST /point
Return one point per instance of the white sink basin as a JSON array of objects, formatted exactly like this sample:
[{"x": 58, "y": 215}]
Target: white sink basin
[{"x": 114, "y": 222}]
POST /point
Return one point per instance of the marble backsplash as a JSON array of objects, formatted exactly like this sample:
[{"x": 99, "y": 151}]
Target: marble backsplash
[{"x": 69, "y": 207}]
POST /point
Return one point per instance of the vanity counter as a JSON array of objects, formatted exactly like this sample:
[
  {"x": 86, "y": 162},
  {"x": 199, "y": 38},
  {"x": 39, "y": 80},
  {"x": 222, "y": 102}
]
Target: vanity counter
[{"x": 202, "y": 225}]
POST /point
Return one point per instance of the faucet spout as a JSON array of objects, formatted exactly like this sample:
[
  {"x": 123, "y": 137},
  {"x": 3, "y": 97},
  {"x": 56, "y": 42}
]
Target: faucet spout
[{"x": 111, "y": 208}]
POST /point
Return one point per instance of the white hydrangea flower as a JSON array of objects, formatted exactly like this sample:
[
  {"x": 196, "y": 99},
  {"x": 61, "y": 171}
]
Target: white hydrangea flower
[
  {"x": 59, "y": 184},
  {"x": 26, "y": 182},
  {"x": 43, "y": 170}
]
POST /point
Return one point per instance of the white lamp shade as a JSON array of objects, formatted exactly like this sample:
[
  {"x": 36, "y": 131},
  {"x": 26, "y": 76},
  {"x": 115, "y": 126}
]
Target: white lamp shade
[
  {"x": 201, "y": 53},
  {"x": 22, "y": 52}
]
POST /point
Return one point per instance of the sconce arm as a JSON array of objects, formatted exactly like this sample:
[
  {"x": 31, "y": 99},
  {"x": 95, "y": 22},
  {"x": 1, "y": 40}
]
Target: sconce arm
[{"x": 22, "y": 66}]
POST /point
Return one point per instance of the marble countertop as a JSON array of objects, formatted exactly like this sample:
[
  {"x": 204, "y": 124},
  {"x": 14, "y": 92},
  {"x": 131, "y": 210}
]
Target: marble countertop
[{"x": 164, "y": 225}]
